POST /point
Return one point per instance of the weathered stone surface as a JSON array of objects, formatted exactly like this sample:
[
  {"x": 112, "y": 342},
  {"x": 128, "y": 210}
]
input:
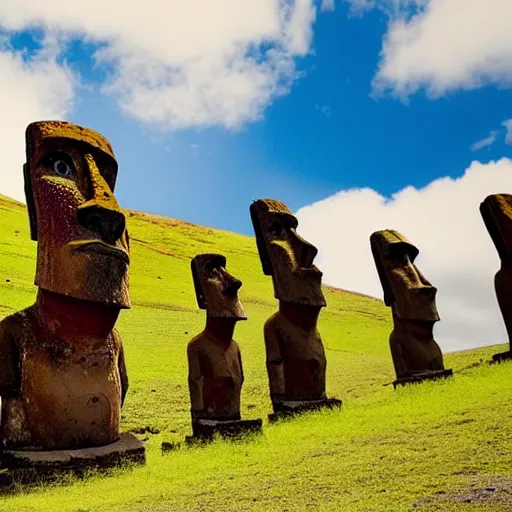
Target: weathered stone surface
[
  {"x": 496, "y": 211},
  {"x": 420, "y": 377},
  {"x": 411, "y": 297},
  {"x": 205, "y": 430},
  {"x": 295, "y": 355},
  {"x": 215, "y": 372},
  {"x": 63, "y": 377},
  {"x": 289, "y": 408},
  {"x": 127, "y": 449},
  {"x": 502, "y": 356}
]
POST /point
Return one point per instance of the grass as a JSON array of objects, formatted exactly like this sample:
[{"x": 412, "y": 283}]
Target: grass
[{"x": 384, "y": 451}]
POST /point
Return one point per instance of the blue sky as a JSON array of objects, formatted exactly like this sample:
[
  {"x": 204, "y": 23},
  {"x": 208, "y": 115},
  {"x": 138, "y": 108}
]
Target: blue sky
[
  {"x": 328, "y": 133},
  {"x": 359, "y": 114}
]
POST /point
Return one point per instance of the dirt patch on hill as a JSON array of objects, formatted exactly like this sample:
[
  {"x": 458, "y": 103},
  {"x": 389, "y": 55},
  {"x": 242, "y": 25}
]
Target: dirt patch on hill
[
  {"x": 484, "y": 490},
  {"x": 341, "y": 290}
]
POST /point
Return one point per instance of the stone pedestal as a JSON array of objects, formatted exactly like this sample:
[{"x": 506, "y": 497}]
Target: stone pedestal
[
  {"x": 420, "y": 377},
  {"x": 38, "y": 463},
  {"x": 288, "y": 408},
  {"x": 503, "y": 356},
  {"x": 205, "y": 430}
]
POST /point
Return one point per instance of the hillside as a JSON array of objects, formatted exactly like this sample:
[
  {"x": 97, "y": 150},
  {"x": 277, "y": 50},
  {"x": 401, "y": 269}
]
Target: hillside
[{"x": 384, "y": 451}]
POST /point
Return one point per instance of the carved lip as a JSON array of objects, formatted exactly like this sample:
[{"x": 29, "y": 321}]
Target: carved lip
[
  {"x": 309, "y": 271},
  {"x": 101, "y": 247}
]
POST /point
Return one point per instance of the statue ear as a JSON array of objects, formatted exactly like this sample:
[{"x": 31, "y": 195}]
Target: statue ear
[
  {"x": 389, "y": 298},
  {"x": 31, "y": 206},
  {"x": 201, "y": 301},
  {"x": 491, "y": 225},
  {"x": 266, "y": 263}
]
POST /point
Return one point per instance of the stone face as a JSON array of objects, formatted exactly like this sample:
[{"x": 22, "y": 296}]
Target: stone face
[
  {"x": 127, "y": 449},
  {"x": 412, "y": 300},
  {"x": 215, "y": 372},
  {"x": 295, "y": 355},
  {"x": 63, "y": 377},
  {"x": 496, "y": 211},
  {"x": 285, "y": 255}
]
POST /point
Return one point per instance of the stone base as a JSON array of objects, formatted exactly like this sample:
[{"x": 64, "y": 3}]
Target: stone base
[
  {"x": 205, "y": 430},
  {"x": 38, "y": 463},
  {"x": 288, "y": 408},
  {"x": 503, "y": 356},
  {"x": 420, "y": 377}
]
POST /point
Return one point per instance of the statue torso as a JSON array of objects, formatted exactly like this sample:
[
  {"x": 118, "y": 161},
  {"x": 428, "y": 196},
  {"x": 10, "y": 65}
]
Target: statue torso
[
  {"x": 222, "y": 375},
  {"x": 303, "y": 358},
  {"x": 69, "y": 395}
]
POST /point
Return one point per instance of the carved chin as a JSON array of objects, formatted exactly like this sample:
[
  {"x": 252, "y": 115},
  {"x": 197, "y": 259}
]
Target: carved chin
[
  {"x": 300, "y": 291},
  {"x": 417, "y": 310},
  {"x": 94, "y": 277},
  {"x": 233, "y": 311}
]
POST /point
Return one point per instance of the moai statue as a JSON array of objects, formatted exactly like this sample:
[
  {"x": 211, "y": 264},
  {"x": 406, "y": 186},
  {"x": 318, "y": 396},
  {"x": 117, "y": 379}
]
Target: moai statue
[
  {"x": 496, "y": 213},
  {"x": 63, "y": 378},
  {"x": 416, "y": 355},
  {"x": 215, "y": 374},
  {"x": 296, "y": 363}
]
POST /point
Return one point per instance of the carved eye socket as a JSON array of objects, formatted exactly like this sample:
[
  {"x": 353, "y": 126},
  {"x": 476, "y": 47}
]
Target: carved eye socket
[
  {"x": 214, "y": 272},
  {"x": 275, "y": 229},
  {"x": 62, "y": 168},
  {"x": 60, "y": 163}
]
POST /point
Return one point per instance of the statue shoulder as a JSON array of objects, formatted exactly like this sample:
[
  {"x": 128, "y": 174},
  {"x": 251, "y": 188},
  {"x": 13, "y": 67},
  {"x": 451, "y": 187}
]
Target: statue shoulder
[
  {"x": 15, "y": 325},
  {"x": 196, "y": 342},
  {"x": 272, "y": 322}
]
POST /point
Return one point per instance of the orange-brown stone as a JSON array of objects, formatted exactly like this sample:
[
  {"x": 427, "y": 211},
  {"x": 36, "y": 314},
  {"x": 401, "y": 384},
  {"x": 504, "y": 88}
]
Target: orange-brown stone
[{"x": 63, "y": 378}]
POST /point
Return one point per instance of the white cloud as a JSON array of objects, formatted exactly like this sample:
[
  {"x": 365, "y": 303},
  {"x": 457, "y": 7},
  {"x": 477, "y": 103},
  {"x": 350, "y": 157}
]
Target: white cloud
[
  {"x": 508, "y": 126},
  {"x": 443, "y": 221},
  {"x": 443, "y": 45},
  {"x": 30, "y": 90},
  {"x": 487, "y": 141},
  {"x": 327, "y": 5},
  {"x": 183, "y": 64}
]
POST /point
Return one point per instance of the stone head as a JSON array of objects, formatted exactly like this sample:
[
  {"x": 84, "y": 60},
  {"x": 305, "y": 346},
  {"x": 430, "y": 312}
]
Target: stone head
[
  {"x": 496, "y": 211},
  {"x": 406, "y": 290},
  {"x": 216, "y": 289},
  {"x": 83, "y": 244},
  {"x": 285, "y": 255}
]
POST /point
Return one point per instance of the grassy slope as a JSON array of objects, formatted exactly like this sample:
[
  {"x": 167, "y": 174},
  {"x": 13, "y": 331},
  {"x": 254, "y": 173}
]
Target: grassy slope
[{"x": 384, "y": 451}]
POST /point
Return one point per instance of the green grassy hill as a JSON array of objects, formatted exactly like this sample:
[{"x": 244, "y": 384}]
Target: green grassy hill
[{"x": 425, "y": 447}]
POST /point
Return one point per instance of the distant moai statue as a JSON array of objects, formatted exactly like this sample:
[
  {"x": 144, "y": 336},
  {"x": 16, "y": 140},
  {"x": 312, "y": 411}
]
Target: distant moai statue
[
  {"x": 215, "y": 373},
  {"x": 496, "y": 211},
  {"x": 63, "y": 378},
  {"x": 295, "y": 355},
  {"x": 416, "y": 355}
]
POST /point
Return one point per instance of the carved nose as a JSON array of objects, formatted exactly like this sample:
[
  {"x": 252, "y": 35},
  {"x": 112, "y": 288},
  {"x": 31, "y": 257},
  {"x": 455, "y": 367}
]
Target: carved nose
[
  {"x": 108, "y": 224},
  {"x": 305, "y": 251},
  {"x": 233, "y": 286}
]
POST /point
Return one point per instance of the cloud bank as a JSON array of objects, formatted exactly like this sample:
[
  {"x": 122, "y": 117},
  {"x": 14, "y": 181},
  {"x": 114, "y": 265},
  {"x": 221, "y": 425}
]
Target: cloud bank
[
  {"x": 443, "y": 221},
  {"x": 30, "y": 88},
  {"x": 183, "y": 64},
  {"x": 442, "y": 45},
  {"x": 173, "y": 64}
]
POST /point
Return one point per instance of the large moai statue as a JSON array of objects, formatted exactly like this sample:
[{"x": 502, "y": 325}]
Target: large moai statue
[
  {"x": 295, "y": 355},
  {"x": 496, "y": 211},
  {"x": 63, "y": 378},
  {"x": 215, "y": 373},
  {"x": 416, "y": 355}
]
